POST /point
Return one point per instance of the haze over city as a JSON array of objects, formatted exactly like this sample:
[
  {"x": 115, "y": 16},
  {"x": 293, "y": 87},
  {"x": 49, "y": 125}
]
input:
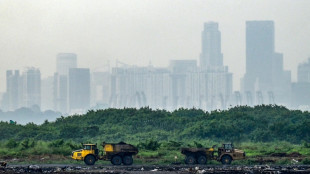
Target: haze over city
[
  {"x": 139, "y": 32},
  {"x": 71, "y": 56}
]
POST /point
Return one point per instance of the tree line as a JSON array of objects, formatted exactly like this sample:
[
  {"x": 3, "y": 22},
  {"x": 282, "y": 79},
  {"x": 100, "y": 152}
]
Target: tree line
[{"x": 264, "y": 123}]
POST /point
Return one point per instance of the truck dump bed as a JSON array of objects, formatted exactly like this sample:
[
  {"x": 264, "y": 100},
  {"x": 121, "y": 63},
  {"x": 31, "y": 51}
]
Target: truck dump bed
[
  {"x": 186, "y": 150},
  {"x": 120, "y": 147}
]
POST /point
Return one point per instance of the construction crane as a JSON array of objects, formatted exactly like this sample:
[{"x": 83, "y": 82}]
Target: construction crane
[
  {"x": 249, "y": 98},
  {"x": 271, "y": 97},
  {"x": 238, "y": 98},
  {"x": 259, "y": 97}
]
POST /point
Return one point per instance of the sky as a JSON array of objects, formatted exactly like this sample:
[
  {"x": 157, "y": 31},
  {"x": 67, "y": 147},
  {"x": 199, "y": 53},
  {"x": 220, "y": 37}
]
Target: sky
[{"x": 140, "y": 32}]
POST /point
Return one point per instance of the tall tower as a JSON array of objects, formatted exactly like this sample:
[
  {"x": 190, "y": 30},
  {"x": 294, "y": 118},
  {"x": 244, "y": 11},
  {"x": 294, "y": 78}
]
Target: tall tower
[
  {"x": 65, "y": 61},
  {"x": 211, "y": 55},
  {"x": 31, "y": 87},
  {"x": 259, "y": 55},
  {"x": 215, "y": 81},
  {"x": 79, "y": 89},
  {"x": 13, "y": 89}
]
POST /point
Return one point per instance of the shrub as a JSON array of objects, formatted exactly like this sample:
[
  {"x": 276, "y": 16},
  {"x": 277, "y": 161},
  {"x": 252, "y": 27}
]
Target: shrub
[
  {"x": 11, "y": 144},
  {"x": 306, "y": 161},
  {"x": 149, "y": 145}
]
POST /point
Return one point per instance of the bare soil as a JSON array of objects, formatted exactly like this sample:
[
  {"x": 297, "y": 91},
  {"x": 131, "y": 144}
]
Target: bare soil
[{"x": 160, "y": 169}]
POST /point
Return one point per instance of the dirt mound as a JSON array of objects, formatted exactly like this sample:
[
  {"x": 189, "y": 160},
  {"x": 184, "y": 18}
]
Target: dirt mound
[
  {"x": 294, "y": 154},
  {"x": 283, "y": 154},
  {"x": 279, "y": 154}
]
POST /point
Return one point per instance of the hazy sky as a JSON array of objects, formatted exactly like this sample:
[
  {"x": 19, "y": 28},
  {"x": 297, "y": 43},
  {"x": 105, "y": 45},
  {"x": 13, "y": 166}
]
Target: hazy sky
[{"x": 143, "y": 31}]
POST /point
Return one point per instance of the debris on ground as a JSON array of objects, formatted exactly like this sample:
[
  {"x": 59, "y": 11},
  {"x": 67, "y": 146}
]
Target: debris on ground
[{"x": 158, "y": 169}]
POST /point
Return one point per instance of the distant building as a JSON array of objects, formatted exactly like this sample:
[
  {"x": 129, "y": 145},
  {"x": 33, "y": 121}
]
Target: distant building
[
  {"x": 211, "y": 55},
  {"x": 179, "y": 70},
  {"x": 64, "y": 62},
  {"x": 303, "y": 72},
  {"x": 265, "y": 81},
  {"x": 47, "y": 93},
  {"x": 31, "y": 90},
  {"x": 100, "y": 89},
  {"x": 213, "y": 82},
  {"x": 301, "y": 89},
  {"x": 259, "y": 56},
  {"x": 13, "y": 90},
  {"x": 79, "y": 89}
]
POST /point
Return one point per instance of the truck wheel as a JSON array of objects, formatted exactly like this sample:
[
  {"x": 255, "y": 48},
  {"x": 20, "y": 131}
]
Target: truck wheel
[
  {"x": 202, "y": 160},
  {"x": 127, "y": 160},
  {"x": 226, "y": 160},
  {"x": 89, "y": 160},
  {"x": 190, "y": 160},
  {"x": 116, "y": 160}
]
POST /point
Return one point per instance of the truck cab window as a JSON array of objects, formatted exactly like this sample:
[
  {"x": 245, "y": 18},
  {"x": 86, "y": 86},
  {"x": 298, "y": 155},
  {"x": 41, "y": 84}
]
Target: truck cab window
[{"x": 87, "y": 147}]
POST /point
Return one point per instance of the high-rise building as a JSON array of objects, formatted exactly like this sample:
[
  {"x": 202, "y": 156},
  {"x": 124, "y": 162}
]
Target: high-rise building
[
  {"x": 211, "y": 55},
  {"x": 265, "y": 80},
  {"x": 31, "y": 91},
  {"x": 301, "y": 89},
  {"x": 47, "y": 93},
  {"x": 79, "y": 89},
  {"x": 214, "y": 82},
  {"x": 64, "y": 62},
  {"x": 13, "y": 90},
  {"x": 100, "y": 89},
  {"x": 303, "y": 72},
  {"x": 179, "y": 70},
  {"x": 259, "y": 55}
]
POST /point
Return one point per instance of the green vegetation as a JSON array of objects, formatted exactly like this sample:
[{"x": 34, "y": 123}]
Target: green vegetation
[{"x": 159, "y": 134}]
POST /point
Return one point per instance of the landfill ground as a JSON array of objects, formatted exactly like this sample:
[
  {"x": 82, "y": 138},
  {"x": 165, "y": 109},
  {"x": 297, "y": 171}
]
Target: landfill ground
[{"x": 160, "y": 169}]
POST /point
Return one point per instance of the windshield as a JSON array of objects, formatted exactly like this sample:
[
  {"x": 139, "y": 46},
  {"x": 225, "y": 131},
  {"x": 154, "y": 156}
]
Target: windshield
[
  {"x": 87, "y": 147},
  {"x": 228, "y": 146}
]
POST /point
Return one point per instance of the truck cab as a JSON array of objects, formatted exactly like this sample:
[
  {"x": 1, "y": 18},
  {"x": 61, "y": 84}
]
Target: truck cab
[
  {"x": 89, "y": 154},
  {"x": 227, "y": 153}
]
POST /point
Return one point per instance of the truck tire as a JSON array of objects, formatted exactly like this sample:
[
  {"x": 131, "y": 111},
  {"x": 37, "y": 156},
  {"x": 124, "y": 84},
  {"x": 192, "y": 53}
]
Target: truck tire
[
  {"x": 202, "y": 159},
  {"x": 116, "y": 160},
  {"x": 127, "y": 160},
  {"x": 190, "y": 159},
  {"x": 89, "y": 160},
  {"x": 226, "y": 160}
]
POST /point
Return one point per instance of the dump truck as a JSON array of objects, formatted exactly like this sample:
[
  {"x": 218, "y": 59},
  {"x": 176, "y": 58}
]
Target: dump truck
[
  {"x": 225, "y": 154},
  {"x": 116, "y": 153}
]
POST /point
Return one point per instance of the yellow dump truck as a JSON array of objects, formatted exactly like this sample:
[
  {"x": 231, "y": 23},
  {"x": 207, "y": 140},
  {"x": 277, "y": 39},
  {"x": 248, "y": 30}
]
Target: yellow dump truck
[
  {"x": 225, "y": 154},
  {"x": 116, "y": 153}
]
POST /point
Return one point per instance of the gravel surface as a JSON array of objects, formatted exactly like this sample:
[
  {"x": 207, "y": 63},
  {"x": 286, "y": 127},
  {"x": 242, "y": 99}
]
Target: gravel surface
[{"x": 160, "y": 169}]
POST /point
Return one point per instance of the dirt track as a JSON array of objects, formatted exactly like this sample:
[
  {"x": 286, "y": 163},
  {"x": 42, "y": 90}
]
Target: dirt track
[{"x": 54, "y": 168}]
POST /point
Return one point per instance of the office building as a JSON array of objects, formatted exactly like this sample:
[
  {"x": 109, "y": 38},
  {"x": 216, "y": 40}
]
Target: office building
[{"x": 79, "y": 90}]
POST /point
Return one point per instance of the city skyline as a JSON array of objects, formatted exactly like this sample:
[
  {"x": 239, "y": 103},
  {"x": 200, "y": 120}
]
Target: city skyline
[
  {"x": 152, "y": 31},
  {"x": 211, "y": 24},
  {"x": 205, "y": 84}
]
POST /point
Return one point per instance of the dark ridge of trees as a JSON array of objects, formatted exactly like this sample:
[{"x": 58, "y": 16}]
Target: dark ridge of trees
[{"x": 264, "y": 123}]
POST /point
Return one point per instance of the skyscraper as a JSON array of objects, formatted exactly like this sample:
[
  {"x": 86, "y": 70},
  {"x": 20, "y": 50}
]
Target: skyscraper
[
  {"x": 259, "y": 55},
  {"x": 303, "y": 74},
  {"x": 265, "y": 79},
  {"x": 301, "y": 89},
  {"x": 31, "y": 82},
  {"x": 79, "y": 89},
  {"x": 65, "y": 61},
  {"x": 47, "y": 93},
  {"x": 13, "y": 89},
  {"x": 215, "y": 82},
  {"x": 211, "y": 55}
]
